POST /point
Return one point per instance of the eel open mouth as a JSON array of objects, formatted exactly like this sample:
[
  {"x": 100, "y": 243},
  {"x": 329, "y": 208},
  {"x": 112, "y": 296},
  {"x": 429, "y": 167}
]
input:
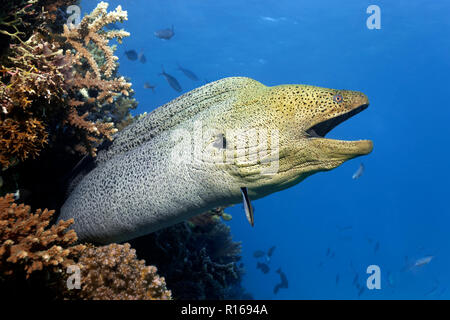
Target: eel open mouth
[{"x": 321, "y": 129}]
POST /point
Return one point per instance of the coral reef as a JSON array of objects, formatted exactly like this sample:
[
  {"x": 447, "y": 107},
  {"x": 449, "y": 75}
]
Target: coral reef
[
  {"x": 198, "y": 259},
  {"x": 96, "y": 83},
  {"x": 61, "y": 98},
  {"x": 28, "y": 244},
  {"x": 112, "y": 272},
  {"x": 46, "y": 80},
  {"x": 19, "y": 18},
  {"x": 60, "y": 95},
  {"x": 34, "y": 258},
  {"x": 31, "y": 252}
]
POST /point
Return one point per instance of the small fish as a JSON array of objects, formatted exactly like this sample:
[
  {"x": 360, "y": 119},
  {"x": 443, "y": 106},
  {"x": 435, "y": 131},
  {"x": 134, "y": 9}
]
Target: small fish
[
  {"x": 142, "y": 58},
  {"x": 131, "y": 55},
  {"x": 283, "y": 283},
  {"x": 270, "y": 252},
  {"x": 171, "y": 81},
  {"x": 337, "y": 279},
  {"x": 358, "y": 172},
  {"x": 422, "y": 261},
  {"x": 434, "y": 289},
  {"x": 390, "y": 279},
  {"x": 165, "y": 34},
  {"x": 360, "y": 291},
  {"x": 328, "y": 252},
  {"x": 149, "y": 86},
  {"x": 188, "y": 73},
  {"x": 259, "y": 254},
  {"x": 270, "y": 19},
  {"x": 355, "y": 279},
  {"x": 263, "y": 267},
  {"x": 377, "y": 247},
  {"x": 415, "y": 265},
  {"x": 248, "y": 206}
]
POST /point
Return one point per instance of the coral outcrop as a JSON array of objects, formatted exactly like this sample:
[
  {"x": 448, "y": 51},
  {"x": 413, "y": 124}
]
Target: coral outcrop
[
  {"x": 60, "y": 94},
  {"x": 28, "y": 244},
  {"x": 198, "y": 259},
  {"x": 112, "y": 272},
  {"x": 34, "y": 258},
  {"x": 32, "y": 251},
  {"x": 61, "y": 98},
  {"x": 93, "y": 84},
  {"x": 50, "y": 83}
]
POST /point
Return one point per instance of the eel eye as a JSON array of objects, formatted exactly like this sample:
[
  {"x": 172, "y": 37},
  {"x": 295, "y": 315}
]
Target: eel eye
[{"x": 338, "y": 98}]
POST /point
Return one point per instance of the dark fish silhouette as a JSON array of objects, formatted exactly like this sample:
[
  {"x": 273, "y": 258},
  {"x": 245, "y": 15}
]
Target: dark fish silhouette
[
  {"x": 337, "y": 279},
  {"x": 355, "y": 280},
  {"x": 258, "y": 254},
  {"x": 360, "y": 290},
  {"x": 188, "y": 73},
  {"x": 171, "y": 81},
  {"x": 165, "y": 34},
  {"x": 283, "y": 283},
  {"x": 390, "y": 279},
  {"x": 263, "y": 267},
  {"x": 270, "y": 252},
  {"x": 149, "y": 86},
  {"x": 377, "y": 247},
  {"x": 328, "y": 251},
  {"x": 434, "y": 289},
  {"x": 131, "y": 55},
  {"x": 142, "y": 58}
]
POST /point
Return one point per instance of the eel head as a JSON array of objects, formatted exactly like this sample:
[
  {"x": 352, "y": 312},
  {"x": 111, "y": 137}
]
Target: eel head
[{"x": 289, "y": 124}]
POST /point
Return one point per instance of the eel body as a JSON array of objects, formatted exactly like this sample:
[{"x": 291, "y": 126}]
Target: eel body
[{"x": 200, "y": 150}]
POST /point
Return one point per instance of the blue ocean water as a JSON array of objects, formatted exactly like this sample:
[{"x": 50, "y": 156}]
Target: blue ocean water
[{"x": 329, "y": 227}]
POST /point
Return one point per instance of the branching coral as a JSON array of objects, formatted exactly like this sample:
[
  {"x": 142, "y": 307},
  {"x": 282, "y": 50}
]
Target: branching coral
[
  {"x": 32, "y": 253},
  {"x": 91, "y": 29},
  {"x": 113, "y": 273},
  {"x": 28, "y": 244},
  {"x": 93, "y": 85},
  {"x": 37, "y": 79},
  {"x": 62, "y": 90}
]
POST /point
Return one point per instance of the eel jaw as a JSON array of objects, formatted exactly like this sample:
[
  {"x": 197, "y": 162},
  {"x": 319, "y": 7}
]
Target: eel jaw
[{"x": 340, "y": 148}]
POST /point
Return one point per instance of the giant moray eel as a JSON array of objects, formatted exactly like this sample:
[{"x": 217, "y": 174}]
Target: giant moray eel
[{"x": 194, "y": 154}]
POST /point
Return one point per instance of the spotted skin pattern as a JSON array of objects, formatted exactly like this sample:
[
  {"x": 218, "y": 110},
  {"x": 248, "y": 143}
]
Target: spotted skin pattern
[{"x": 140, "y": 185}]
